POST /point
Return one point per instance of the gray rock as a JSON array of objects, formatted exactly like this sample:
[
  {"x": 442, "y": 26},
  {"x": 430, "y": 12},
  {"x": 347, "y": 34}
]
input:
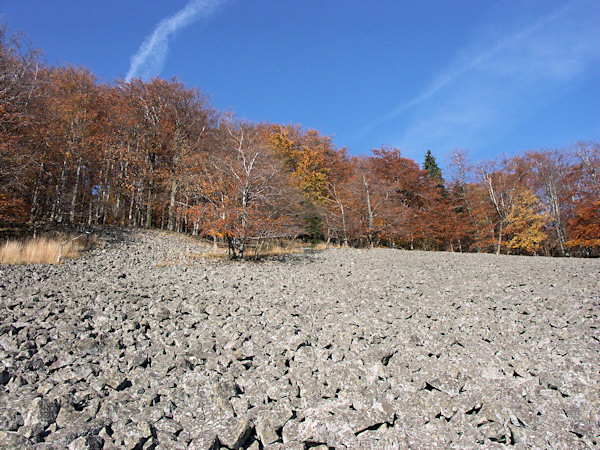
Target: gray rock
[
  {"x": 206, "y": 441},
  {"x": 10, "y": 440},
  {"x": 266, "y": 431},
  {"x": 87, "y": 443},
  {"x": 11, "y": 420},
  {"x": 234, "y": 434},
  {"x": 343, "y": 348},
  {"x": 41, "y": 414}
]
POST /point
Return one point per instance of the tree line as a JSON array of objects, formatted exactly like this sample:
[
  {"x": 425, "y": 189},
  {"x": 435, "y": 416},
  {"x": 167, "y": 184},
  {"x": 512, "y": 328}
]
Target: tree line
[{"x": 157, "y": 154}]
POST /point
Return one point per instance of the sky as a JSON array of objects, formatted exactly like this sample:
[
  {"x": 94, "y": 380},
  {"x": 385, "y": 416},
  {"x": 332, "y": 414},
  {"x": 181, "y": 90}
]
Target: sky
[{"x": 491, "y": 77}]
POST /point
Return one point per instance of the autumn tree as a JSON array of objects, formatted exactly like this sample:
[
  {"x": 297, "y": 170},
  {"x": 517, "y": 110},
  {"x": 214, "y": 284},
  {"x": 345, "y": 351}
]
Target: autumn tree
[
  {"x": 501, "y": 179},
  {"x": 307, "y": 155},
  {"x": 584, "y": 228},
  {"x": 19, "y": 82},
  {"x": 472, "y": 212},
  {"x": 71, "y": 118},
  {"x": 587, "y": 171},
  {"x": 156, "y": 154},
  {"x": 526, "y": 222},
  {"x": 550, "y": 170},
  {"x": 384, "y": 189},
  {"x": 337, "y": 202},
  {"x": 251, "y": 197}
]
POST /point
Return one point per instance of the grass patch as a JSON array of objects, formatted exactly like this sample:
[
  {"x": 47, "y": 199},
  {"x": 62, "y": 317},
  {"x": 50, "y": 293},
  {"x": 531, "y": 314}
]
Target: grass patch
[
  {"x": 41, "y": 250},
  {"x": 278, "y": 250},
  {"x": 212, "y": 254},
  {"x": 323, "y": 246},
  {"x": 48, "y": 249}
]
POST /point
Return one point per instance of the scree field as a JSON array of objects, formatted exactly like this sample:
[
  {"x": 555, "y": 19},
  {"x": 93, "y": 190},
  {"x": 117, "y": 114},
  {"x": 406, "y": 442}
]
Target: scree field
[{"x": 137, "y": 345}]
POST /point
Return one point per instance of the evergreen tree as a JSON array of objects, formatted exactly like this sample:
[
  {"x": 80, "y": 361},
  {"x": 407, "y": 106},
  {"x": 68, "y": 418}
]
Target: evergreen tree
[{"x": 431, "y": 167}]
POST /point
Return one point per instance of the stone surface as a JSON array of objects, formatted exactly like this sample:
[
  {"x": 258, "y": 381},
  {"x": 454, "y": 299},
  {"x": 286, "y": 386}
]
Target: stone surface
[
  {"x": 135, "y": 345},
  {"x": 14, "y": 441}
]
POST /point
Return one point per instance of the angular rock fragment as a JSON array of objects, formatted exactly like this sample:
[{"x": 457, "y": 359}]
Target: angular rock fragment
[
  {"x": 235, "y": 432},
  {"x": 266, "y": 431},
  {"x": 15, "y": 441},
  {"x": 87, "y": 443},
  {"x": 41, "y": 414}
]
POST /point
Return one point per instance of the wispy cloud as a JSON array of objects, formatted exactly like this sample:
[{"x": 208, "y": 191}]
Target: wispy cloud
[
  {"x": 150, "y": 57},
  {"x": 485, "y": 91}
]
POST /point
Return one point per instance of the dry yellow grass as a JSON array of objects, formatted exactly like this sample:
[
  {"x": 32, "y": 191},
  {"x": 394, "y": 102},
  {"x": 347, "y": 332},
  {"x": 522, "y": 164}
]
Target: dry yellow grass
[
  {"x": 324, "y": 246},
  {"x": 210, "y": 255},
  {"x": 39, "y": 250},
  {"x": 278, "y": 250}
]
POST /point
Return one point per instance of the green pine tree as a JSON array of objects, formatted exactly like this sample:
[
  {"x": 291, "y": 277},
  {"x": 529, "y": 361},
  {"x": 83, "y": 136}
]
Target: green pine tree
[{"x": 431, "y": 167}]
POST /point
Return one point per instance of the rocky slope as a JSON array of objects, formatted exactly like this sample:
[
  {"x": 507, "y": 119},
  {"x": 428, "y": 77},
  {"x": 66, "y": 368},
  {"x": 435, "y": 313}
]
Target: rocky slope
[{"x": 344, "y": 348}]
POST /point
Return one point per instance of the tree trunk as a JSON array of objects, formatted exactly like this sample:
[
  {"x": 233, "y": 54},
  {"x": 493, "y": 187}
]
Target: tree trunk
[
  {"x": 171, "y": 220},
  {"x": 131, "y": 202},
  {"x": 105, "y": 202},
  {"x": 118, "y": 194},
  {"x": 90, "y": 210},
  {"x": 36, "y": 193},
  {"x": 137, "y": 215},
  {"x": 75, "y": 189},
  {"x": 499, "y": 245},
  {"x": 369, "y": 213},
  {"x": 152, "y": 161},
  {"x": 56, "y": 215},
  {"x": 344, "y": 226}
]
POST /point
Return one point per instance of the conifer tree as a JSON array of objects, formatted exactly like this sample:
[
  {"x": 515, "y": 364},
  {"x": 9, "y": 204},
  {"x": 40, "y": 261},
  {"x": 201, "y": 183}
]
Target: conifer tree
[{"x": 431, "y": 167}]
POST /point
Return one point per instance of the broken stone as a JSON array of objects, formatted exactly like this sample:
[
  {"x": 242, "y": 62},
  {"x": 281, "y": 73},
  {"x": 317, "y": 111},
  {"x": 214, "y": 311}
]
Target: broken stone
[
  {"x": 14, "y": 441},
  {"x": 41, "y": 414},
  {"x": 266, "y": 431},
  {"x": 87, "y": 443},
  {"x": 235, "y": 432}
]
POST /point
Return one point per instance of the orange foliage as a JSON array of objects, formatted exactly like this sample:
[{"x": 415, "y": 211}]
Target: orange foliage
[
  {"x": 585, "y": 226},
  {"x": 525, "y": 223},
  {"x": 156, "y": 153}
]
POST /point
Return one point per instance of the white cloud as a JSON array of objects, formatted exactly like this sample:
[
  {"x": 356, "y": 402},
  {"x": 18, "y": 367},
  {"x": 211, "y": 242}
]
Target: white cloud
[
  {"x": 486, "y": 91},
  {"x": 150, "y": 57}
]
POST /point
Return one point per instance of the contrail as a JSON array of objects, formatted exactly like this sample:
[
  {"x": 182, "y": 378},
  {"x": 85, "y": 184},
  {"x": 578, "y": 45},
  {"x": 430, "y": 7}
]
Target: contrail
[
  {"x": 150, "y": 57},
  {"x": 452, "y": 74}
]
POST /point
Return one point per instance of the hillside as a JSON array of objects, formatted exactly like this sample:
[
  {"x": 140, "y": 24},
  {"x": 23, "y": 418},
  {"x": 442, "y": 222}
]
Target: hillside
[{"x": 346, "y": 348}]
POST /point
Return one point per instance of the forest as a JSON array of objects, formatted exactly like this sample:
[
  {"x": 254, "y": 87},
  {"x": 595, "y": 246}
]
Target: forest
[{"x": 156, "y": 153}]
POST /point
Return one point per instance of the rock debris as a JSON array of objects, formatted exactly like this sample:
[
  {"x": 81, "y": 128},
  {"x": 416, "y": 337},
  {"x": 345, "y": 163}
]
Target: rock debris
[{"x": 338, "y": 349}]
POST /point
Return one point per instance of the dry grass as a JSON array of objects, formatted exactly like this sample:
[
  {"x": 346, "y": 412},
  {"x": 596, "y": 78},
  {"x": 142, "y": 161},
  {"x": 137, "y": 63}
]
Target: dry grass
[
  {"x": 222, "y": 254},
  {"x": 324, "y": 246},
  {"x": 278, "y": 250},
  {"x": 40, "y": 250},
  {"x": 269, "y": 249}
]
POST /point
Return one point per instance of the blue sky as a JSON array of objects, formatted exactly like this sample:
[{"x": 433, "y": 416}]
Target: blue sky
[{"x": 491, "y": 77}]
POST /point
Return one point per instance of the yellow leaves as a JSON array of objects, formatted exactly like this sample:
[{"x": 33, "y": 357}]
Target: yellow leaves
[
  {"x": 281, "y": 142},
  {"x": 526, "y": 223},
  {"x": 305, "y": 154}
]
